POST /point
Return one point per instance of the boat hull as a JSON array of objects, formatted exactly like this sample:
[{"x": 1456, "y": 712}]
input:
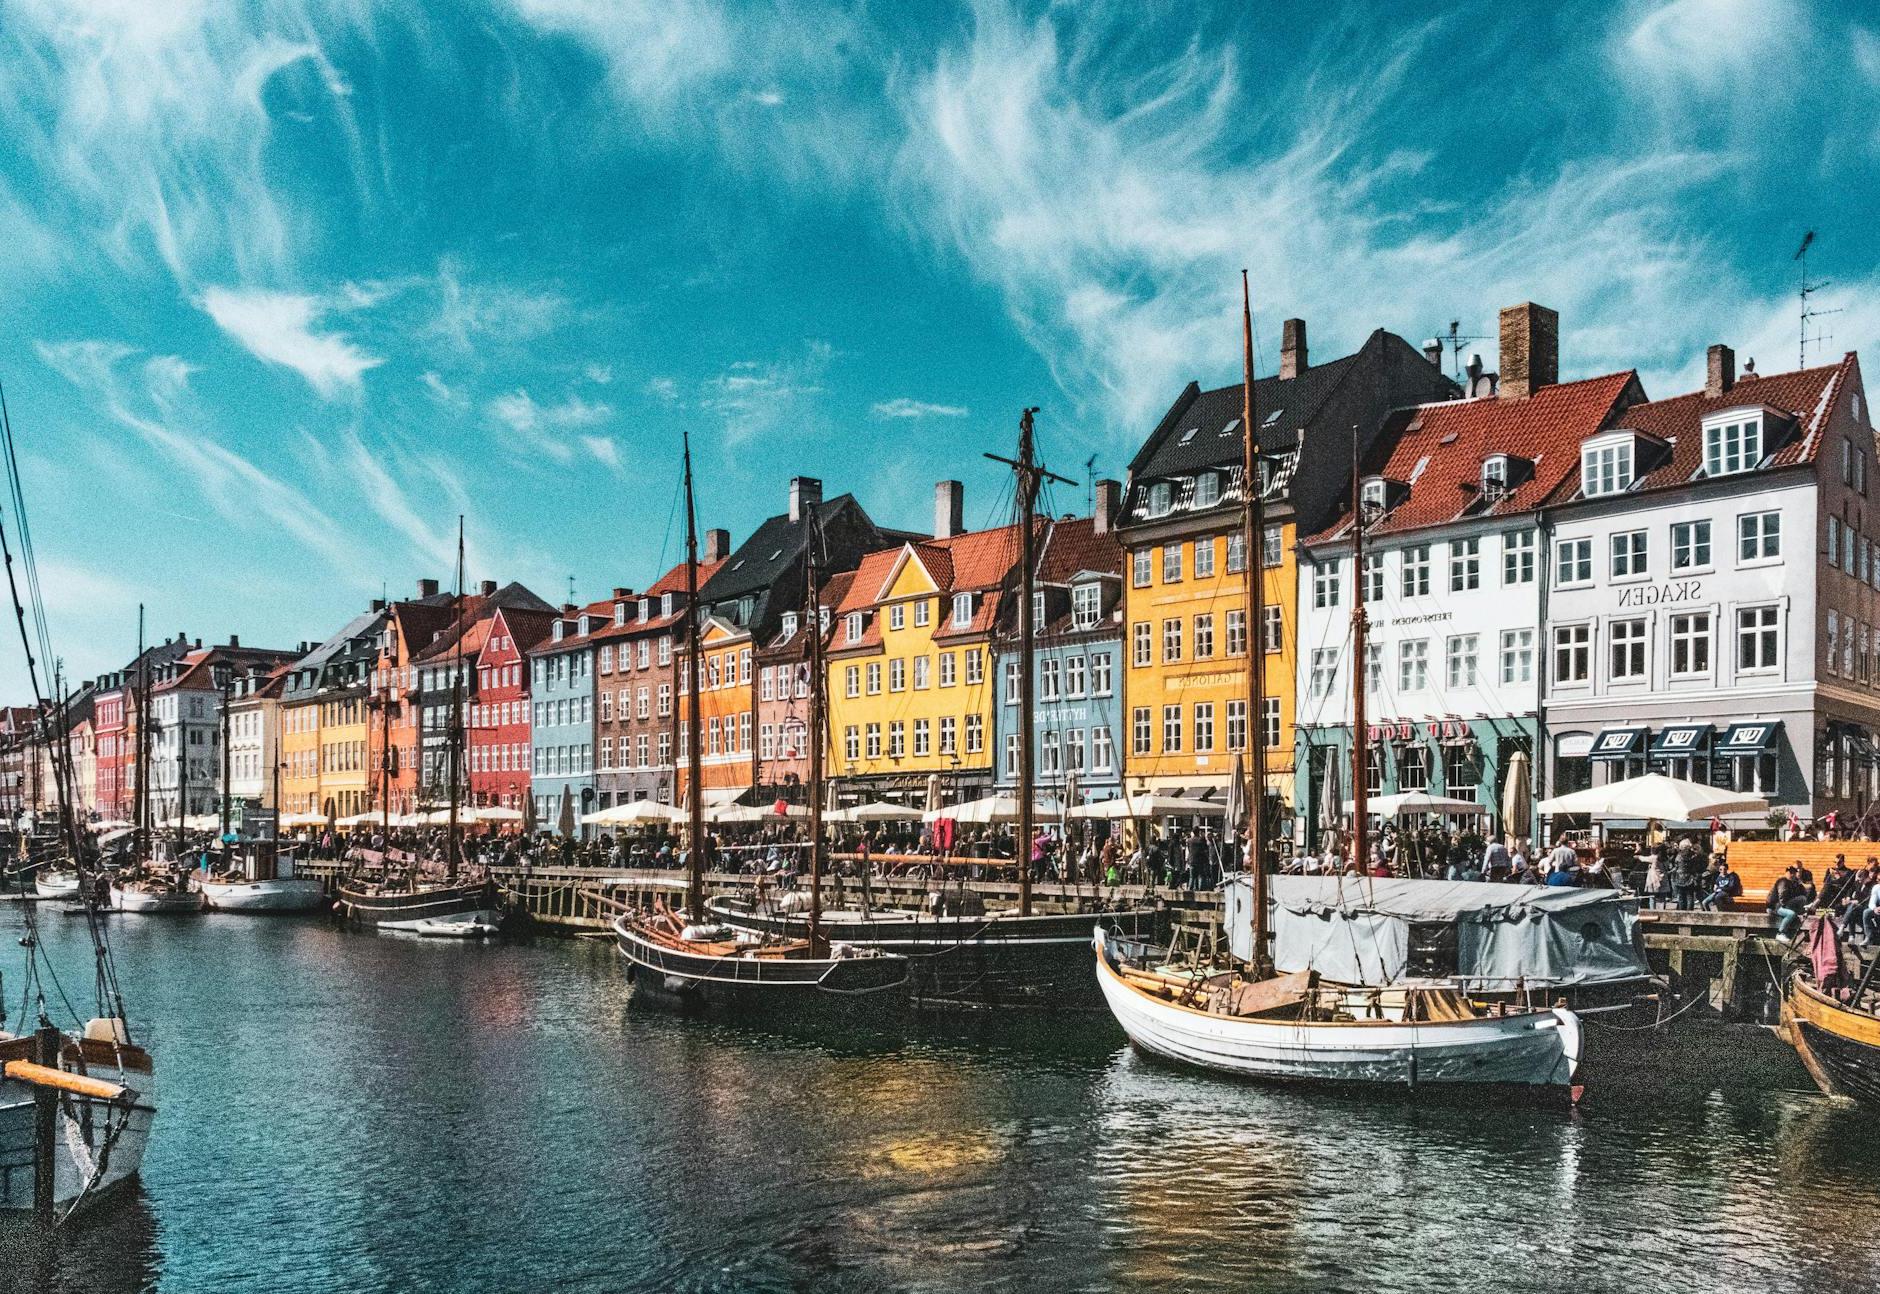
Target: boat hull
[
  {"x": 1535, "y": 1049},
  {"x": 56, "y": 885},
  {"x": 782, "y": 985},
  {"x": 1840, "y": 1048},
  {"x": 403, "y": 909},
  {"x": 155, "y": 903},
  {"x": 293, "y": 894},
  {"x": 98, "y": 1145}
]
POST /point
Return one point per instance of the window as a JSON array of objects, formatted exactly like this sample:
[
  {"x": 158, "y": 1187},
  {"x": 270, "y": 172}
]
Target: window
[
  {"x": 1171, "y": 641},
  {"x": 1204, "y": 637},
  {"x": 962, "y": 610},
  {"x": 1758, "y": 536},
  {"x": 1416, "y": 571},
  {"x": 1573, "y": 653},
  {"x": 1050, "y": 679},
  {"x": 1413, "y": 769},
  {"x": 1171, "y": 729},
  {"x": 1834, "y": 641},
  {"x": 1517, "y": 655},
  {"x": 1172, "y": 564},
  {"x": 923, "y": 612},
  {"x": 1076, "y": 674},
  {"x": 1626, "y": 649},
  {"x": 1834, "y": 541},
  {"x": 1140, "y": 731},
  {"x": 1141, "y": 644},
  {"x": 1207, "y": 494},
  {"x": 851, "y": 743},
  {"x": 874, "y": 678},
  {"x": 764, "y": 692},
  {"x": 1413, "y": 665},
  {"x": 665, "y": 700},
  {"x": 1012, "y": 681},
  {"x": 1606, "y": 468},
  {"x": 1204, "y": 726},
  {"x": 1087, "y": 606},
  {"x": 1690, "y": 643},
  {"x": 1373, "y": 668},
  {"x": 975, "y": 667},
  {"x": 949, "y": 735},
  {"x": 1161, "y": 499},
  {"x": 975, "y": 734},
  {"x": 1374, "y": 577},
  {"x": 1236, "y": 554},
  {"x": 923, "y": 737},
  {"x": 1325, "y": 584},
  {"x": 1371, "y": 495},
  {"x": 1102, "y": 749},
  {"x": 897, "y": 616},
  {"x": 1324, "y": 663},
  {"x": 1011, "y": 754},
  {"x": 1732, "y": 446},
  {"x": 922, "y": 665},
  {"x": 1100, "y": 684},
  {"x": 852, "y": 681},
  {"x": 1237, "y": 725},
  {"x": 1465, "y": 565},
  {"x": 872, "y": 740},
  {"x": 1573, "y": 562},
  {"x": 766, "y": 742},
  {"x": 1271, "y": 547},
  {"x": 949, "y": 669},
  {"x": 1272, "y": 638},
  {"x": 855, "y": 626},
  {"x": 1690, "y": 545},
  {"x": 1628, "y": 554},
  {"x": 1204, "y": 556},
  {"x": 1140, "y": 567},
  {"x": 1460, "y": 660}
]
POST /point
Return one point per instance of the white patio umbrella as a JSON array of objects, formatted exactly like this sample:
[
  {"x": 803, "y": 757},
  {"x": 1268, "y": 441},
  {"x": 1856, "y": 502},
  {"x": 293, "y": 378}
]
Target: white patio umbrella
[
  {"x": 1146, "y": 806},
  {"x": 754, "y": 813},
  {"x": 360, "y": 820},
  {"x": 1405, "y": 803},
  {"x": 1002, "y": 807},
  {"x": 1515, "y": 795},
  {"x": 1654, "y": 795},
  {"x": 639, "y": 813},
  {"x": 874, "y": 811},
  {"x": 498, "y": 813}
]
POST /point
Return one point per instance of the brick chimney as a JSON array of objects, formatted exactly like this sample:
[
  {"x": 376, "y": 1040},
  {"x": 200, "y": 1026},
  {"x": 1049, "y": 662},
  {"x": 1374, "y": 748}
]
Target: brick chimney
[
  {"x": 805, "y": 492},
  {"x": 378, "y": 604},
  {"x": 1108, "y": 502},
  {"x": 949, "y": 508},
  {"x": 1530, "y": 350},
  {"x": 234, "y": 640},
  {"x": 718, "y": 542},
  {"x": 1292, "y": 349},
  {"x": 620, "y": 594},
  {"x": 1720, "y": 375},
  {"x": 427, "y": 588},
  {"x": 487, "y": 588}
]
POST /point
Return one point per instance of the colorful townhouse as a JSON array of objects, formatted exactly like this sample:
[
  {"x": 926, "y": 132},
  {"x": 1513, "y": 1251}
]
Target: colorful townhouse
[
  {"x": 742, "y": 605},
  {"x": 561, "y": 707},
  {"x": 445, "y": 675},
  {"x": 327, "y": 722},
  {"x": 1453, "y": 586},
  {"x": 783, "y": 698},
  {"x": 186, "y": 726},
  {"x": 1185, "y": 605},
  {"x": 910, "y": 683},
  {"x": 114, "y": 719},
  {"x": 411, "y": 627},
  {"x": 499, "y": 718},
  {"x": 1077, "y": 665},
  {"x": 254, "y": 735},
  {"x": 16, "y": 744},
  {"x": 1713, "y": 607},
  {"x": 80, "y": 711}
]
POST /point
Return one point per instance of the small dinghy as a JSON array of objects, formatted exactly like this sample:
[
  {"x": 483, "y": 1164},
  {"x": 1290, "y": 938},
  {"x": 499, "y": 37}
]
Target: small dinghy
[
  {"x": 56, "y": 885},
  {"x": 466, "y": 927}
]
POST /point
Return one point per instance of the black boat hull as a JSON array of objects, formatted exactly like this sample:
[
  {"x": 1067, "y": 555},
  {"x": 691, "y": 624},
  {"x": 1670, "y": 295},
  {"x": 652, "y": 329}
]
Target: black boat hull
[
  {"x": 783, "y": 985},
  {"x": 381, "y": 908}
]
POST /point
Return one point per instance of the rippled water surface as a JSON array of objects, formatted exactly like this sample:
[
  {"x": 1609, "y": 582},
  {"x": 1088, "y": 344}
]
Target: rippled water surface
[{"x": 371, "y": 1112}]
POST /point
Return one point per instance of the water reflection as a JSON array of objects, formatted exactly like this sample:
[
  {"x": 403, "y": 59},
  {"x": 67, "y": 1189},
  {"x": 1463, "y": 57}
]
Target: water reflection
[{"x": 109, "y": 1249}]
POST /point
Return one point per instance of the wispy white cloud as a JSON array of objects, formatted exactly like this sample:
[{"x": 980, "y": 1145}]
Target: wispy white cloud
[
  {"x": 904, "y": 407},
  {"x": 279, "y": 327},
  {"x": 471, "y": 313},
  {"x": 663, "y": 389},
  {"x": 605, "y": 450},
  {"x": 441, "y": 391},
  {"x": 759, "y": 399},
  {"x": 538, "y": 428}
]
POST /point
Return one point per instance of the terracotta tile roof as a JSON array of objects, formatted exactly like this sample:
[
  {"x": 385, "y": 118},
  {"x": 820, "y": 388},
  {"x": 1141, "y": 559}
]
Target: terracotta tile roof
[
  {"x": 673, "y": 581},
  {"x": 1072, "y": 545},
  {"x": 1807, "y": 395},
  {"x": 1437, "y": 451}
]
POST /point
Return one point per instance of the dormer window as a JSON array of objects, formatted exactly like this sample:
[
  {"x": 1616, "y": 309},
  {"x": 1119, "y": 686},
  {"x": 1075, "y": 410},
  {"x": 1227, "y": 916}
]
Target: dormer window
[
  {"x": 1495, "y": 475},
  {"x": 1373, "y": 493},
  {"x": 822, "y": 618},
  {"x": 620, "y": 613},
  {"x": 1607, "y": 465},
  {"x": 559, "y": 626},
  {"x": 1733, "y": 443},
  {"x": 587, "y": 625},
  {"x": 665, "y": 604},
  {"x": 1207, "y": 490},
  {"x": 1161, "y": 498},
  {"x": 855, "y": 627},
  {"x": 789, "y": 624},
  {"x": 962, "y": 610},
  {"x": 1086, "y": 606},
  {"x": 646, "y": 610},
  {"x": 1037, "y": 607}
]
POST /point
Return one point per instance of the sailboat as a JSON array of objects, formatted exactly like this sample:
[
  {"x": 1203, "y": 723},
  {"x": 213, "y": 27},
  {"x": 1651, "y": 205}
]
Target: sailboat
[
  {"x": 960, "y": 953},
  {"x": 263, "y": 879},
  {"x": 74, "y": 1111},
  {"x": 149, "y": 887},
  {"x": 1246, "y": 1021},
  {"x": 683, "y": 959},
  {"x": 408, "y": 900}
]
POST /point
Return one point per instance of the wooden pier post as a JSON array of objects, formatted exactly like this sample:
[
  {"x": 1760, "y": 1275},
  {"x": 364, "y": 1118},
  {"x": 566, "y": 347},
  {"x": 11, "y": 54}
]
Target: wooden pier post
[{"x": 46, "y": 1041}]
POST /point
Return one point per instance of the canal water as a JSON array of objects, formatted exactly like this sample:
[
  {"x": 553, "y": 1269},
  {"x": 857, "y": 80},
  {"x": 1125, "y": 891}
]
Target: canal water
[{"x": 357, "y": 1112}]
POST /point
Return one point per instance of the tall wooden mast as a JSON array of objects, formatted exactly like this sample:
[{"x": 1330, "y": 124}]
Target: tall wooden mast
[
  {"x": 818, "y": 725},
  {"x": 455, "y": 760},
  {"x": 695, "y": 795},
  {"x": 1359, "y": 742},
  {"x": 1253, "y": 533}
]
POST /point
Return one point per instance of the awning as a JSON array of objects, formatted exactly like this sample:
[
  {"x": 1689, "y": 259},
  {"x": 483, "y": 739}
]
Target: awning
[
  {"x": 1618, "y": 743},
  {"x": 1748, "y": 738},
  {"x": 1680, "y": 739},
  {"x": 718, "y": 797},
  {"x": 1863, "y": 746}
]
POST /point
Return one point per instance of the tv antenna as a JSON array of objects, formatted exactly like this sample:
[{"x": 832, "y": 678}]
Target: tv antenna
[
  {"x": 1809, "y": 288},
  {"x": 1090, "y": 485},
  {"x": 1454, "y": 341}
]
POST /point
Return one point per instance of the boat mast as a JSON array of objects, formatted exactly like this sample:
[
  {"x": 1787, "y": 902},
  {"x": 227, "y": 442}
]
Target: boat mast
[
  {"x": 695, "y": 804},
  {"x": 1253, "y": 533},
  {"x": 1359, "y": 743},
  {"x": 455, "y": 761},
  {"x": 228, "y": 684},
  {"x": 818, "y": 726},
  {"x": 1029, "y": 477}
]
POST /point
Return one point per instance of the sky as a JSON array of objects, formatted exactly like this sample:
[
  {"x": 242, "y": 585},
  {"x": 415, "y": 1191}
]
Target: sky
[{"x": 292, "y": 284}]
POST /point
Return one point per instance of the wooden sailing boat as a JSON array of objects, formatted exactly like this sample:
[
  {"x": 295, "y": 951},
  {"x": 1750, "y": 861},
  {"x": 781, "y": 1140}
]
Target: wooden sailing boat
[
  {"x": 150, "y": 887},
  {"x": 1834, "y": 1028},
  {"x": 1249, "y": 1023},
  {"x": 260, "y": 880},
  {"x": 74, "y": 1117},
  {"x": 685, "y": 961},
  {"x": 408, "y": 900},
  {"x": 962, "y": 955}
]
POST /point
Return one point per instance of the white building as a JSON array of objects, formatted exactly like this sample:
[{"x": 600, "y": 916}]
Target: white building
[
  {"x": 1713, "y": 599},
  {"x": 254, "y": 738}
]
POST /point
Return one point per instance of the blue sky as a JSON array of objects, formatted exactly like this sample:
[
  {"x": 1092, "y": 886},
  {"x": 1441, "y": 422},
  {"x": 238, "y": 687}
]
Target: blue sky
[{"x": 291, "y": 285}]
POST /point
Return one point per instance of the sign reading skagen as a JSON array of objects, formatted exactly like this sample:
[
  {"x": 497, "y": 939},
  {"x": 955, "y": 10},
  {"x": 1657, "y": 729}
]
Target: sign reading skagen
[{"x": 1651, "y": 595}]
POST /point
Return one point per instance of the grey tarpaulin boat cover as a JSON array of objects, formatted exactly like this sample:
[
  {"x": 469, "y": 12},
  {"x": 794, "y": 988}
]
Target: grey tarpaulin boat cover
[{"x": 1356, "y": 930}]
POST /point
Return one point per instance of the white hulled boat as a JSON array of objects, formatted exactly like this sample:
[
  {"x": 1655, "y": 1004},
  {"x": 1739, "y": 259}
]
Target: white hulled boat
[
  {"x": 59, "y": 884},
  {"x": 97, "y": 1086},
  {"x": 155, "y": 892}
]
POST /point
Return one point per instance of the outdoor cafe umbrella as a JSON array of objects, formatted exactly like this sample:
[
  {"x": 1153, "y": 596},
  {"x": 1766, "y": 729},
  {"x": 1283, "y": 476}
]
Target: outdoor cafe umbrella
[
  {"x": 1002, "y": 807},
  {"x": 639, "y": 813},
  {"x": 874, "y": 811},
  {"x": 528, "y": 815},
  {"x": 564, "y": 821},
  {"x": 1515, "y": 824},
  {"x": 1408, "y": 803},
  {"x": 1125, "y": 807},
  {"x": 1654, "y": 795}
]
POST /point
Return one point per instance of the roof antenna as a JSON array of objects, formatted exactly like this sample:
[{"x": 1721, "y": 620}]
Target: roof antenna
[
  {"x": 571, "y": 590},
  {"x": 1090, "y": 486},
  {"x": 1454, "y": 342},
  {"x": 1809, "y": 288}
]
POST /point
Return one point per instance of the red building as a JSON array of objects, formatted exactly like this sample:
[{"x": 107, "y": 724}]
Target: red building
[{"x": 499, "y": 719}]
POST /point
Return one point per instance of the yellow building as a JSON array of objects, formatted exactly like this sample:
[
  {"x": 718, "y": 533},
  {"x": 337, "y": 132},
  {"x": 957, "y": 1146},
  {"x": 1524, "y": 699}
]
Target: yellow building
[
  {"x": 1185, "y": 604},
  {"x": 326, "y": 722},
  {"x": 911, "y": 683},
  {"x": 345, "y": 735},
  {"x": 726, "y": 701},
  {"x": 300, "y": 754}
]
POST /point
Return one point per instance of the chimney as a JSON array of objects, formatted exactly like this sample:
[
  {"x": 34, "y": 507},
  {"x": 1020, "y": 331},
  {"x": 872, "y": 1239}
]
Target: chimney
[
  {"x": 1292, "y": 349},
  {"x": 805, "y": 492},
  {"x": 621, "y": 594},
  {"x": 1530, "y": 350},
  {"x": 1109, "y": 500},
  {"x": 569, "y": 608},
  {"x": 1433, "y": 352},
  {"x": 718, "y": 542},
  {"x": 1721, "y": 375},
  {"x": 427, "y": 588},
  {"x": 949, "y": 507},
  {"x": 234, "y": 640},
  {"x": 487, "y": 588},
  {"x": 378, "y": 604}
]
